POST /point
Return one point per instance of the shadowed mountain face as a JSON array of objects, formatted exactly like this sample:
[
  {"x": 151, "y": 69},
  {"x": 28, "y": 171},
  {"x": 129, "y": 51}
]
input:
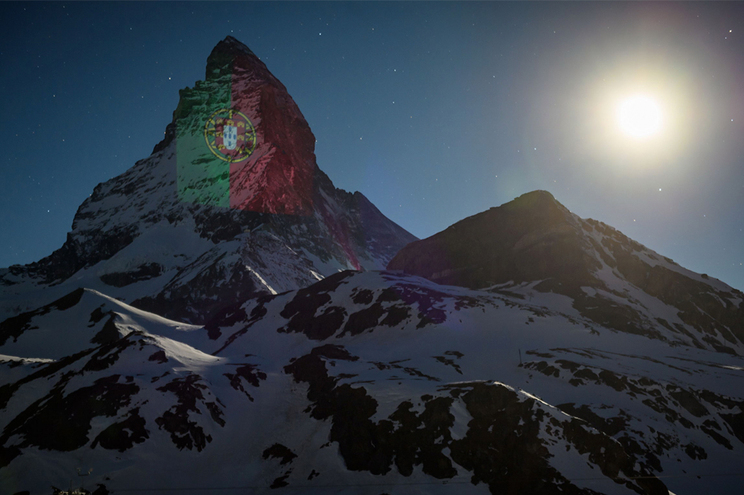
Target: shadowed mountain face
[
  {"x": 610, "y": 278},
  {"x": 531, "y": 238},
  {"x": 231, "y": 203}
]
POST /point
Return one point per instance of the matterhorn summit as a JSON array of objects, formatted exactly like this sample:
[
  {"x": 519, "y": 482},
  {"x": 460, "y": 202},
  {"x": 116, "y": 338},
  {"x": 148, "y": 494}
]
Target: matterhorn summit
[
  {"x": 230, "y": 203},
  {"x": 222, "y": 319}
]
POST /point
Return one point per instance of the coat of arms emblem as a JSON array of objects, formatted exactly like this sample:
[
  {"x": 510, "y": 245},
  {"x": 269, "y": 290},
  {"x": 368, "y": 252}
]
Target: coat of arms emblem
[{"x": 230, "y": 135}]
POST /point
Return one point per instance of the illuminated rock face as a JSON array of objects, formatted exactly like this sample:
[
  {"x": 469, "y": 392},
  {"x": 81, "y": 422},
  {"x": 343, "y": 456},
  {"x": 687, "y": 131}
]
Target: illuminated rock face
[
  {"x": 230, "y": 203},
  {"x": 241, "y": 141}
]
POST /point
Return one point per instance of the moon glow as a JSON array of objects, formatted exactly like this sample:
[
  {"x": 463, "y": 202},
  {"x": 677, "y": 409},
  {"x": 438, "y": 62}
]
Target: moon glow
[{"x": 639, "y": 116}]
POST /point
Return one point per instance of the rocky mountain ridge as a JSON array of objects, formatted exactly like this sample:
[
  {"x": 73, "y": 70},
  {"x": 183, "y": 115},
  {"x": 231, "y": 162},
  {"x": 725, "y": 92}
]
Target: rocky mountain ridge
[{"x": 611, "y": 279}]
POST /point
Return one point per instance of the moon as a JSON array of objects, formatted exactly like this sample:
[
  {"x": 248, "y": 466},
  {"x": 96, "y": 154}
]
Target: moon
[{"x": 639, "y": 116}]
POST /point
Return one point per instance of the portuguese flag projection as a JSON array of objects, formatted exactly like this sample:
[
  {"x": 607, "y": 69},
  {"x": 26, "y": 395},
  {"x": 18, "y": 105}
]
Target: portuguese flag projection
[
  {"x": 241, "y": 141},
  {"x": 212, "y": 137}
]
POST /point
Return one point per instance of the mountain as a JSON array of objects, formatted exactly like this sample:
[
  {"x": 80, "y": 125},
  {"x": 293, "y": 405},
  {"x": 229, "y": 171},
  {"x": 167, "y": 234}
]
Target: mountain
[
  {"x": 610, "y": 279},
  {"x": 230, "y": 203},
  {"x": 222, "y": 319},
  {"x": 488, "y": 358}
]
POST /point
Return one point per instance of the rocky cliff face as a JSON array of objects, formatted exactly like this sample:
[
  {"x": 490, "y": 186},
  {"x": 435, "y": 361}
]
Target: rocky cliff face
[
  {"x": 535, "y": 241},
  {"x": 198, "y": 226},
  {"x": 270, "y": 167}
]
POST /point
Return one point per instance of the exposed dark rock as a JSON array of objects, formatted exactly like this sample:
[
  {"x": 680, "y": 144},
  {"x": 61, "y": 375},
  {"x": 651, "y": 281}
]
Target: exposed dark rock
[
  {"x": 280, "y": 482},
  {"x": 736, "y": 422},
  {"x": 531, "y": 238},
  {"x": 502, "y": 447},
  {"x": 425, "y": 300},
  {"x": 257, "y": 312},
  {"x": 544, "y": 368},
  {"x": 668, "y": 399},
  {"x": 303, "y": 308},
  {"x": 107, "y": 354},
  {"x": 609, "y": 426},
  {"x": 687, "y": 399},
  {"x": 362, "y": 296},
  {"x": 158, "y": 357},
  {"x": 610, "y": 314},
  {"x": 142, "y": 272},
  {"x": 7, "y": 454},
  {"x": 16, "y": 325},
  {"x": 535, "y": 238},
  {"x": 47, "y": 369},
  {"x": 96, "y": 316},
  {"x": 74, "y": 255},
  {"x": 61, "y": 422},
  {"x": 705, "y": 308},
  {"x": 363, "y": 320},
  {"x": 123, "y": 435},
  {"x": 449, "y": 362},
  {"x": 249, "y": 373},
  {"x": 226, "y": 317},
  {"x": 189, "y": 302},
  {"x": 279, "y": 451},
  {"x": 101, "y": 490},
  {"x": 411, "y": 371},
  {"x": 186, "y": 433},
  {"x": 695, "y": 452},
  {"x": 109, "y": 333}
]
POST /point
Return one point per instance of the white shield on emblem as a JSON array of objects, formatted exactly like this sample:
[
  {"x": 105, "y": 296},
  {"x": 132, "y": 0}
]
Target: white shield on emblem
[{"x": 230, "y": 136}]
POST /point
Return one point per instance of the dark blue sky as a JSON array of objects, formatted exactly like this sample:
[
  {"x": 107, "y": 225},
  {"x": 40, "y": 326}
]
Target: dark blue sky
[{"x": 435, "y": 111}]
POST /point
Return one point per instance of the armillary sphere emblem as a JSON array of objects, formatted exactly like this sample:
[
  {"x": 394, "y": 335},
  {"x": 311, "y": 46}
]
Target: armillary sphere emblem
[{"x": 230, "y": 135}]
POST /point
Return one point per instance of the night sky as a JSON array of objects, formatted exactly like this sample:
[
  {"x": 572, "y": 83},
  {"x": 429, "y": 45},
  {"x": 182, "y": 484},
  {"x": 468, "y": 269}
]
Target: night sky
[{"x": 435, "y": 111}]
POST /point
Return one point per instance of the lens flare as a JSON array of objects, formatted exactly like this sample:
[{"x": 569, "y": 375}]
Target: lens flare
[{"x": 639, "y": 116}]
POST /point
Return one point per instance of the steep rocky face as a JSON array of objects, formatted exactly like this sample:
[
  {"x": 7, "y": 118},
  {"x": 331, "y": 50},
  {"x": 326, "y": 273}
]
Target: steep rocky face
[
  {"x": 259, "y": 153},
  {"x": 230, "y": 203},
  {"x": 535, "y": 241},
  {"x": 531, "y": 238}
]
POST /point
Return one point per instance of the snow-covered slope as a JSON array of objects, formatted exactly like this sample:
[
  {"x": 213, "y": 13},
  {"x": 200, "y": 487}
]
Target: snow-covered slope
[
  {"x": 162, "y": 238},
  {"x": 383, "y": 382}
]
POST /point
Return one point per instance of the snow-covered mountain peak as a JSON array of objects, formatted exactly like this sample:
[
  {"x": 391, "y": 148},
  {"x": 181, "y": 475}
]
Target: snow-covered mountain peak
[
  {"x": 231, "y": 202},
  {"x": 534, "y": 243},
  {"x": 241, "y": 141}
]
